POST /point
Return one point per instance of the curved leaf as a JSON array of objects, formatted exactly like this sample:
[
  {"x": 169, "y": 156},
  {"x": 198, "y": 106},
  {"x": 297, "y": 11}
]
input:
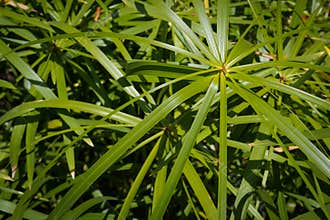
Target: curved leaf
[
  {"x": 68, "y": 104},
  {"x": 83, "y": 182}
]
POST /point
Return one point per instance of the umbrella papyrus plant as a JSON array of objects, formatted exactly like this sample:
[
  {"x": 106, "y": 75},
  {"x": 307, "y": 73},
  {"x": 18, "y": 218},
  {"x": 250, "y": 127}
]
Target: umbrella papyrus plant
[{"x": 165, "y": 109}]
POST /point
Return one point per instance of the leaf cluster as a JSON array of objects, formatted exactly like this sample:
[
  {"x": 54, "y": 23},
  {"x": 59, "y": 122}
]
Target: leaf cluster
[{"x": 164, "y": 109}]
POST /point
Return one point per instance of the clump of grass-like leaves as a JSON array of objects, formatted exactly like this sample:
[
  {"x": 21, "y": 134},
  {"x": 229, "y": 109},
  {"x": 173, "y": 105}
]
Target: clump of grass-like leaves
[{"x": 164, "y": 109}]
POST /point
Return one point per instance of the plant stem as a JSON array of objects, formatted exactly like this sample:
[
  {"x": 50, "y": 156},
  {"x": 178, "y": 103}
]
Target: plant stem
[{"x": 222, "y": 187}]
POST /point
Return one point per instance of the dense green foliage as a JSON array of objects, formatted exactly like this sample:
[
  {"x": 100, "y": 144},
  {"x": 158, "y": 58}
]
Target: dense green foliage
[{"x": 177, "y": 109}]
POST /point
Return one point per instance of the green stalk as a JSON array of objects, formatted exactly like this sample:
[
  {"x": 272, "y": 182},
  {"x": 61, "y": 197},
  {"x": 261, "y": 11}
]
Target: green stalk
[{"x": 222, "y": 187}]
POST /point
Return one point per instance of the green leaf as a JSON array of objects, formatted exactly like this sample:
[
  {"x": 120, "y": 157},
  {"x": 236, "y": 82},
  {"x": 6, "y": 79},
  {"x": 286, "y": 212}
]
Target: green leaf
[
  {"x": 139, "y": 67},
  {"x": 82, "y": 12},
  {"x": 26, "y": 70},
  {"x": 22, "y": 18},
  {"x": 223, "y": 27},
  {"x": 79, "y": 210},
  {"x": 187, "y": 144},
  {"x": 68, "y": 104},
  {"x": 69, "y": 155},
  {"x": 37, "y": 83},
  {"x": 23, "y": 33},
  {"x": 65, "y": 13},
  {"x": 22, "y": 206},
  {"x": 207, "y": 28},
  {"x": 9, "y": 207},
  {"x": 138, "y": 180},
  {"x": 114, "y": 71},
  {"x": 308, "y": 148},
  {"x": 246, "y": 119},
  {"x": 59, "y": 78},
  {"x": 31, "y": 130},
  {"x": 250, "y": 179},
  {"x": 162, "y": 11},
  {"x": 269, "y": 204},
  {"x": 15, "y": 145},
  {"x": 277, "y": 64},
  {"x": 282, "y": 206},
  {"x": 6, "y": 84},
  {"x": 314, "y": 214},
  {"x": 83, "y": 182},
  {"x": 160, "y": 180},
  {"x": 200, "y": 190},
  {"x": 284, "y": 88}
]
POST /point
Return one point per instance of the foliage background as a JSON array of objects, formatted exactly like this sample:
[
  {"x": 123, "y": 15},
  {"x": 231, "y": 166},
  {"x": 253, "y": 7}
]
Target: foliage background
[{"x": 174, "y": 109}]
